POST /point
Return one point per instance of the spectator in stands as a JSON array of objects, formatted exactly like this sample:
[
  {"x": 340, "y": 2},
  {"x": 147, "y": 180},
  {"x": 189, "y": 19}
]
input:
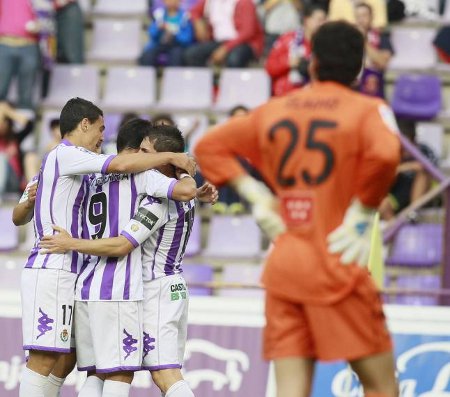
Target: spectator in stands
[
  {"x": 278, "y": 17},
  {"x": 56, "y": 135},
  {"x": 11, "y": 172},
  {"x": 287, "y": 63},
  {"x": 345, "y": 9},
  {"x": 378, "y": 52},
  {"x": 19, "y": 51},
  {"x": 228, "y": 33},
  {"x": 69, "y": 31},
  {"x": 170, "y": 33},
  {"x": 412, "y": 181}
]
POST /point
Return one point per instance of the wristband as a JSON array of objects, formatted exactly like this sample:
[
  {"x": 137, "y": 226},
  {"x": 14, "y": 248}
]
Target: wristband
[{"x": 184, "y": 175}]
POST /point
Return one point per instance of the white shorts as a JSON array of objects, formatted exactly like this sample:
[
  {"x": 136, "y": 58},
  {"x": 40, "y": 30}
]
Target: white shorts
[
  {"x": 166, "y": 302},
  {"x": 108, "y": 336},
  {"x": 47, "y": 309}
]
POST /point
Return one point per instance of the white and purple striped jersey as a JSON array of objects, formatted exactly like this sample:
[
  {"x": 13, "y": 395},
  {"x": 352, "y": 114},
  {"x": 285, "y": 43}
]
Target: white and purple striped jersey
[
  {"x": 113, "y": 200},
  {"x": 162, "y": 227},
  {"x": 59, "y": 199}
]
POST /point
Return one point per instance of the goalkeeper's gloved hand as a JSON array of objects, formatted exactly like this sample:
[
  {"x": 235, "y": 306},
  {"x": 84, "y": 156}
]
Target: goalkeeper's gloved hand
[
  {"x": 262, "y": 202},
  {"x": 352, "y": 238}
]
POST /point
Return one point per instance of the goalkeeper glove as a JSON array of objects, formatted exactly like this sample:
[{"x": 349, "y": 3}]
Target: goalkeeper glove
[
  {"x": 262, "y": 202},
  {"x": 352, "y": 238}
]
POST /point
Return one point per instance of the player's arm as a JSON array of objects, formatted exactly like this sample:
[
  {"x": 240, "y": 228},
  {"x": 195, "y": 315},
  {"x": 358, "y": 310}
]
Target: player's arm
[
  {"x": 185, "y": 188},
  {"x": 24, "y": 210},
  {"x": 63, "y": 242}
]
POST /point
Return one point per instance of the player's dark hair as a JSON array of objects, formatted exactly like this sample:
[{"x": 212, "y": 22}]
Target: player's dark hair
[
  {"x": 75, "y": 110},
  {"x": 311, "y": 9},
  {"x": 132, "y": 133},
  {"x": 365, "y": 5},
  {"x": 236, "y": 109},
  {"x": 54, "y": 123},
  {"x": 127, "y": 117},
  {"x": 166, "y": 138},
  {"x": 339, "y": 49},
  {"x": 163, "y": 118}
]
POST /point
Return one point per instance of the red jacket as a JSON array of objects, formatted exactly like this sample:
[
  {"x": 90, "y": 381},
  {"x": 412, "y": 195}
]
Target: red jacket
[
  {"x": 277, "y": 64},
  {"x": 245, "y": 21}
]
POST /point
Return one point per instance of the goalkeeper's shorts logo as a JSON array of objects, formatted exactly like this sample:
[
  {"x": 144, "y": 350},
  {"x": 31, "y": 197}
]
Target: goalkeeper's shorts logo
[{"x": 297, "y": 208}]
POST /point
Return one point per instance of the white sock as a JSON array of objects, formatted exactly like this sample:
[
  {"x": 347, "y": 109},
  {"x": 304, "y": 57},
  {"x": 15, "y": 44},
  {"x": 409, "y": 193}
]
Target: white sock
[
  {"x": 53, "y": 386},
  {"x": 32, "y": 384},
  {"x": 92, "y": 387},
  {"x": 180, "y": 389},
  {"x": 113, "y": 388}
]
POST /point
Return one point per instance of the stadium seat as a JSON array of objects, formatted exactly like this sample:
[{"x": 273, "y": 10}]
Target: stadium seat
[
  {"x": 9, "y": 234},
  {"x": 242, "y": 274},
  {"x": 45, "y": 135},
  {"x": 248, "y": 87},
  {"x": 194, "y": 244},
  {"x": 417, "y": 282},
  {"x": 10, "y": 271},
  {"x": 418, "y": 245},
  {"x": 233, "y": 237},
  {"x": 68, "y": 81},
  {"x": 112, "y": 122},
  {"x": 86, "y": 6},
  {"x": 194, "y": 124},
  {"x": 115, "y": 40},
  {"x": 121, "y": 8},
  {"x": 432, "y": 135},
  {"x": 186, "y": 89},
  {"x": 417, "y": 97},
  {"x": 129, "y": 89},
  {"x": 413, "y": 48},
  {"x": 197, "y": 273}
]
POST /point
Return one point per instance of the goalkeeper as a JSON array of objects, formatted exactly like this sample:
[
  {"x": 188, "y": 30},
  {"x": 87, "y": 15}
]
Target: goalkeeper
[{"x": 330, "y": 155}]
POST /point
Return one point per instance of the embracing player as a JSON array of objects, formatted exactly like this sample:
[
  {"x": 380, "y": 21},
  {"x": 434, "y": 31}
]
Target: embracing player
[
  {"x": 162, "y": 226},
  {"x": 330, "y": 155},
  {"x": 48, "y": 281}
]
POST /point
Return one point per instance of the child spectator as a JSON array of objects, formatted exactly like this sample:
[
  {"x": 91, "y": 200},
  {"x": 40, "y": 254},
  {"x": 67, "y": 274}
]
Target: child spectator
[{"x": 170, "y": 33}]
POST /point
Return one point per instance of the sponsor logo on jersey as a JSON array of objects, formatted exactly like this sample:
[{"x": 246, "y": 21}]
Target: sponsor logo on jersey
[
  {"x": 128, "y": 344},
  {"x": 134, "y": 227},
  {"x": 148, "y": 346}
]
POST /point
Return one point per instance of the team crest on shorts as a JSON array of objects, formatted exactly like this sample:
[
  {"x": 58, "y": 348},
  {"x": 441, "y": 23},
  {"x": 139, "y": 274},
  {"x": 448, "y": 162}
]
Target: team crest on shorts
[
  {"x": 134, "y": 227},
  {"x": 64, "y": 335}
]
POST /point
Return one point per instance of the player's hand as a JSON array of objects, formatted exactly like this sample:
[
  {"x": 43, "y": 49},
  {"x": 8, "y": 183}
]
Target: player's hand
[
  {"x": 352, "y": 238},
  {"x": 58, "y": 243},
  {"x": 31, "y": 192},
  {"x": 184, "y": 162},
  {"x": 208, "y": 193}
]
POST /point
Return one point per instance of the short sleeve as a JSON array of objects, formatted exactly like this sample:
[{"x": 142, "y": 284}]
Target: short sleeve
[
  {"x": 154, "y": 183},
  {"x": 75, "y": 160},
  {"x": 151, "y": 215},
  {"x": 32, "y": 182}
]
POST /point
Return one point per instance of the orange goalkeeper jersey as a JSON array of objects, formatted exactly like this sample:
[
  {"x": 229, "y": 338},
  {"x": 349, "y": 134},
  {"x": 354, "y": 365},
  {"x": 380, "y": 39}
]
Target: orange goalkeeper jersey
[{"x": 318, "y": 148}]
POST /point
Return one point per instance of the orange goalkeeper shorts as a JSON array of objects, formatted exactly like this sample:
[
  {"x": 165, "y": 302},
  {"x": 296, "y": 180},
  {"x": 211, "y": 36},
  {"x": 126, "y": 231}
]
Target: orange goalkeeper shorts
[{"x": 350, "y": 329}]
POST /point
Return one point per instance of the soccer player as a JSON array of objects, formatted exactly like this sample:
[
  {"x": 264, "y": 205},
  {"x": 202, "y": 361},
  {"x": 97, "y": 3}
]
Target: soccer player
[
  {"x": 48, "y": 281},
  {"x": 330, "y": 155},
  {"x": 163, "y": 227}
]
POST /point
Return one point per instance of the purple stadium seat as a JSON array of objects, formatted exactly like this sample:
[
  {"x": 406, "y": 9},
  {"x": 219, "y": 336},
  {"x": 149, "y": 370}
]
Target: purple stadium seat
[
  {"x": 115, "y": 40},
  {"x": 68, "y": 81},
  {"x": 425, "y": 282},
  {"x": 417, "y": 96},
  {"x": 242, "y": 274},
  {"x": 413, "y": 48},
  {"x": 129, "y": 89},
  {"x": 121, "y": 8},
  {"x": 417, "y": 246},
  {"x": 9, "y": 234},
  {"x": 248, "y": 87},
  {"x": 233, "y": 237},
  {"x": 196, "y": 273},
  {"x": 186, "y": 89},
  {"x": 10, "y": 271},
  {"x": 112, "y": 122},
  {"x": 194, "y": 244},
  {"x": 186, "y": 123}
]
